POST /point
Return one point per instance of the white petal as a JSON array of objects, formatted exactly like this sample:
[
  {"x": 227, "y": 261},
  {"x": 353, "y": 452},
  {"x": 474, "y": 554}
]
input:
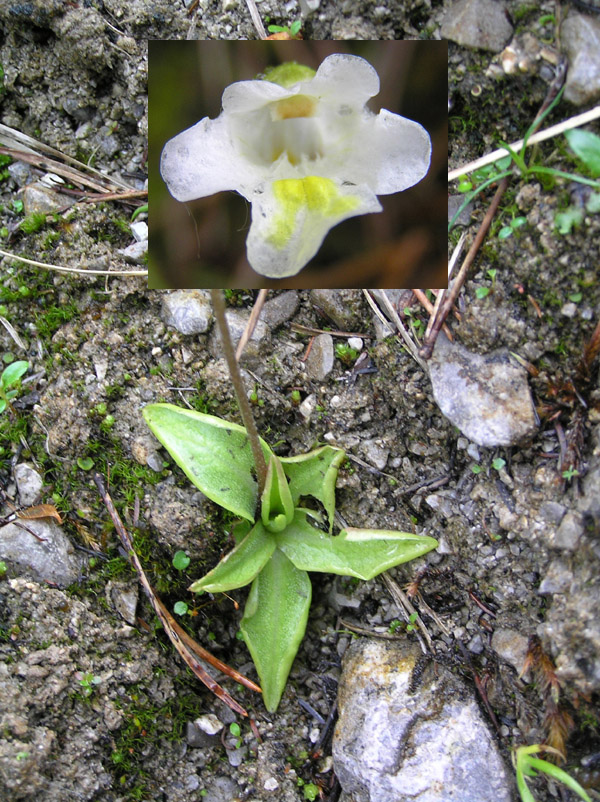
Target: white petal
[
  {"x": 291, "y": 218},
  {"x": 402, "y": 152},
  {"x": 244, "y": 96},
  {"x": 345, "y": 78},
  {"x": 202, "y": 160}
]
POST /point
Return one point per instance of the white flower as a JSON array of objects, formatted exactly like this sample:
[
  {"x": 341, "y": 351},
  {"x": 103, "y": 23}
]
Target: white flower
[{"x": 304, "y": 150}]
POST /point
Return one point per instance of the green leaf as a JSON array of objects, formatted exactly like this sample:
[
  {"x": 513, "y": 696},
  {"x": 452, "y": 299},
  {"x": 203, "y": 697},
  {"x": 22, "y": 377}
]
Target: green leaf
[
  {"x": 85, "y": 463},
  {"x": 586, "y": 145},
  {"x": 213, "y": 453},
  {"x": 274, "y": 623},
  {"x": 295, "y": 27},
  {"x": 180, "y": 560},
  {"x": 13, "y": 372},
  {"x": 241, "y": 565},
  {"x": 505, "y": 232},
  {"x": 362, "y": 553},
  {"x": 277, "y": 508},
  {"x": 315, "y": 474},
  {"x": 558, "y": 774},
  {"x": 180, "y": 608},
  {"x": 567, "y": 220},
  {"x": 593, "y": 203}
]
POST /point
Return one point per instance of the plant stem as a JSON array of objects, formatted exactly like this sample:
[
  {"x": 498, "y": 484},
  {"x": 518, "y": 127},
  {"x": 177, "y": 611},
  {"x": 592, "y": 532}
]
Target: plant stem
[{"x": 218, "y": 302}]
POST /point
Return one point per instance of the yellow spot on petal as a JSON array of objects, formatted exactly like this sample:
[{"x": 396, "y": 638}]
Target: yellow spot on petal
[
  {"x": 318, "y": 196},
  {"x": 295, "y": 106}
]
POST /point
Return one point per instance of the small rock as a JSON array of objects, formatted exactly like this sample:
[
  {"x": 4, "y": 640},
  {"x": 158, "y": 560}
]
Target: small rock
[
  {"x": 196, "y": 737},
  {"x": 39, "y": 199},
  {"x": 192, "y": 782},
  {"x": 280, "y": 308},
  {"x": 20, "y": 173},
  {"x": 188, "y": 311},
  {"x": 552, "y": 512},
  {"x": 308, "y": 6},
  {"x": 580, "y": 35},
  {"x": 51, "y": 560},
  {"x": 307, "y": 407},
  {"x": 569, "y": 533},
  {"x": 557, "y": 580},
  {"x": 124, "y": 599},
  {"x": 454, "y": 204},
  {"x": 139, "y": 231},
  {"x": 478, "y": 23},
  {"x": 511, "y": 646},
  {"x": 486, "y": 397},
  {"x": 135, "y": 252},
  {"x": 100, "y": 362},
  {"x": 375, "y": 454},
  {"x": 237, "y": 320},
  {"x": 356, "y": 343},
  {"x": 235, "y": 757},
  {"x": 569, "y": 309},
  {"x": 336, "y": 305},
  {"x": 320, "y": 359},
  {"x": 29, "y": 484},
  {"x": 432, "y": 745},
  {"x": 209, "y": 724}
]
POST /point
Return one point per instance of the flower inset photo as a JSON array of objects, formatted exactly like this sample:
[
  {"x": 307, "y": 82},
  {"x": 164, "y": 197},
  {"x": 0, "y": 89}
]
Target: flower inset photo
[{"x": 297, "y": 164}]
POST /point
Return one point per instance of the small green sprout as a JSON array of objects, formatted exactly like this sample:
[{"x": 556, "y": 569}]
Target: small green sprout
[
  {"x": 10, "y": 382},
  {"x": 180, "y": 560},
  {"x": 476, "y": 469},
  {"x": 394, "y": 626},
  {"x": 3, "y": 569},
  {"x": 234, "y": 729},
  {"x": 85, "y": 463},
  {"x": 180, "y": 608},
  {"x": 310, "y": 792},
  {"x": 508, "y": 230},
  {"x": 498, "y": 463},
  {"x": 345, "y": 353},
  {"x": 87, "y": 682},
  {"x": 412, "y": 619},
  {"x": 576, "y": 297},
  {"x": 526, "y": 766},
  {"x": 293, "y": 30},
  {"x": 570, "y": 473}
]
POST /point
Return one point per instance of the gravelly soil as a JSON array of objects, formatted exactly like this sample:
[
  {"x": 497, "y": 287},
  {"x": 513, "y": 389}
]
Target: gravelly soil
[{"x": 127, "y": 739}]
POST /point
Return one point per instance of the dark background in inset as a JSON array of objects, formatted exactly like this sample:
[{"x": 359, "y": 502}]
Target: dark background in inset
[{"x": 202, "y": 243}]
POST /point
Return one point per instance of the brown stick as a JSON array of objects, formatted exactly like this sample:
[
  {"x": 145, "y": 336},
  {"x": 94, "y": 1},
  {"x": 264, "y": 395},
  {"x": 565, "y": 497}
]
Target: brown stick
[
  {"x": 218, "y": 301},
  {"x": 249, "y": 330},
  {"x": 458, "y": 282}
]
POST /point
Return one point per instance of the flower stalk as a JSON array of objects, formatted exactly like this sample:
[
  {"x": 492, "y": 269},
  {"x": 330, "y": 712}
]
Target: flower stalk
[{"x": 218, "y": 302}]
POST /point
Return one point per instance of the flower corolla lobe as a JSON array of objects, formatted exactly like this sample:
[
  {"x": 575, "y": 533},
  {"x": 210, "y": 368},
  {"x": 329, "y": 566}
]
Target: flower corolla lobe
[{"x": 305, "y": 150}]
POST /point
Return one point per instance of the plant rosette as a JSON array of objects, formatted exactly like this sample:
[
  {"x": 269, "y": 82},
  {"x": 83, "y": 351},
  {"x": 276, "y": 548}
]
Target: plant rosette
[
  {"x": 276, "y": 546},
  {"x": 302, "y": 147}
]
